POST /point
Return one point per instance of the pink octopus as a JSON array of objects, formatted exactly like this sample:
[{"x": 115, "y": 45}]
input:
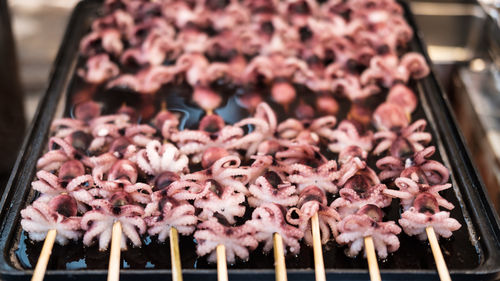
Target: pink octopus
[
  {"x": 323, "y": 177},
  {"x": 158, "y": 158},
  {"x": 270, "y": 188},
  {"x": 410, "y": 188},
  {"x": 172, "y": 213},
  {"x": 310, "y": 131},
  {"x": 121, "y": 176},
  {"x": 58, "y": 213},
  {"x": 73, "y": 146},
  {"x": 263, "y": 124},
  {"x": 212, "y": 132},
  {"x": 358, "y": 191},
  {"x": 389, "y": 69},
  {"x": 238, "y": 240},
  {"x": 348, "y": 134},
  {"x": 425, "y": 212},
  {"x": 98, "y": 223},
  {"x": 433, "y": 171},
  {"x": 71, "y": 179},
  {"x": 269, "y": 219},
  {"x": 368, "y": 222},
  {"x": 406, "y": 140},
  {"x": 313, "y": 200}
]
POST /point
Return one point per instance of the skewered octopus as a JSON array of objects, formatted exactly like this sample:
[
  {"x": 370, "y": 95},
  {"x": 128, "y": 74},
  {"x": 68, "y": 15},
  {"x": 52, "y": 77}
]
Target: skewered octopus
[
  {"x": 212, "y": 132},
  {"x": 358, "y": 191},
  {"x": 98, "y": 223},
  {"x": 309, "y": 131},
  {"x": 71, "y": 179},
  {"x": 269, "y": 219},
  {"x": 58, "y": 213},
  {"x": 368, "y": 222},
  {"x": 270, "y": 188},
  {"x": 324, "y": 176},
  {"x": 313, "y": 200},
  {"x": 432, "y": 171},
  {"x": 238, "y": 240},
  {"x": 158, "y": 158},
  {"x": 425, "y": 212},
  {"x": 410, "y": 188},
  {"x": 172, "y": 213},
  {"x": 403, "y": 141}
]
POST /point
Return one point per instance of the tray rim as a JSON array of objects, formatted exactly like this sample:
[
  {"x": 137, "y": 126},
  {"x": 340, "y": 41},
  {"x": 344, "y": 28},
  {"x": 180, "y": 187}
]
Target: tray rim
[{"x": 444, "y": 118}]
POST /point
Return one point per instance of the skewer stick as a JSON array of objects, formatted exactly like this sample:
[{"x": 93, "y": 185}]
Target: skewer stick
[
  {"x": 174, "y": 255},
  {"x": 221, "y": 263},
  {"x": 319, "y": 267},
  {"x": 279, "y": 258},
  {"x": 114, "y": 257},
  {"x": 43, "y": 260},
  {"x": 442, "y": 269},
  {"x": 372, "y": 259}
]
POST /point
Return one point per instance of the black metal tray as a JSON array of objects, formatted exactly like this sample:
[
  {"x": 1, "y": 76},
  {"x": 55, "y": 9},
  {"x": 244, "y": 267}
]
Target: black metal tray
[{"x": 472, "y": 253}]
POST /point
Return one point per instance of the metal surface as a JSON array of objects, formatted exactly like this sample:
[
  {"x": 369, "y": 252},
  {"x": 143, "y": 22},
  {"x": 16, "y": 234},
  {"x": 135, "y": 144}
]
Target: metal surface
[{"x": 472, "y": 204}]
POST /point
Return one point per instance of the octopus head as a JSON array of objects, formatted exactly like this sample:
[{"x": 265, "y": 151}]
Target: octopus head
[
  {"x": 389, "y": 116},
  {"x": 351, "y": 152},
  {"x": 372, "y": 211},
  {"x": 211, "y": 155},
  {"x": 164, "y": 180},
  {"x": 359, "y": 184},
  {"x": 119, "y": 147},
  {"x": 212, "y": 124},
  {"x": 70, "y": 170},
  {"x": 63, "y": 205},
  {"x": 426, "y": 203},
  {"x": 87, "y": 111},
  {"x": 360, "y": 113},
  {"x": 118, "y": 200},
  {"x": 80, "y": 141},
  {"x": 304, "y": 111},
  {"x": 311, "y": 193},
  {"x": 123, "y": 170},
  {"x": 416, "y": 174}
]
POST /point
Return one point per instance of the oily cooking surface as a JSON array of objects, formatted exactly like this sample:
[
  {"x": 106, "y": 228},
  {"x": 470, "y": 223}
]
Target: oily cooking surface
[{"x": 176, "y": 98}]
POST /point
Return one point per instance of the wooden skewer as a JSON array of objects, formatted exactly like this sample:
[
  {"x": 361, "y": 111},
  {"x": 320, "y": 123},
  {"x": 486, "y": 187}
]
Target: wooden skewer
[
  {"x": 319, "y": 267},
  {"x": 43, "y": 260},
  {"x": 221, "y": 263},
  {"x": 174, "y": 255},
  {"x": 114, "y": 256},
  {"x": 372, "y": 259},
  {"x": 279, "y": 258},
  {"x": 442, "y": 269}
]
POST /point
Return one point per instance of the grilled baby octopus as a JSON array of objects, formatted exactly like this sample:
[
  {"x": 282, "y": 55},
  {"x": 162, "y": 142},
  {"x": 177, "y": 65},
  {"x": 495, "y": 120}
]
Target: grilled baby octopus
[
  {"x": 58, "y": 213},
  {"x": 368, "y": 222}
]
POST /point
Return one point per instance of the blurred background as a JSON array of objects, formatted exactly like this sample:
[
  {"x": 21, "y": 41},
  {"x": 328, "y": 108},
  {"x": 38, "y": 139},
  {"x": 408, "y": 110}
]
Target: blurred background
[{"x": 462, "y": 37}]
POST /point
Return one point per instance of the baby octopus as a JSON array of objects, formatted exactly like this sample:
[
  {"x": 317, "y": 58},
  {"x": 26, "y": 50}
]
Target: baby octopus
[
  {"x": 368, "y": 222},
  {"x": 270, "y": 188},
  {"x": 358, "y": 191},
  {"x": 172, "y": 213},
  {"x": 238, "y": 240},
  {"x": 71, "y": 179},
  {"x": 269, "y": 219},
  {"x": 402, "y": 141},
  {"x": 313, "y": 200},
  {"x": 431, "y": 171},
  {"x": 212, "y": 132},
  {"x": 98, "y": 223},
  {"x": 309, "y": 131},
  {"x": 263, "y": 124},
  {"x": 410, "y": 188},
  {"x": 425, "y": 212},
  {"x": 158, "y": 158},
  {"x": 348, "y": 134},
  {"x": 58, "y": 213},
  {"x": 323, "y": 177}
]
